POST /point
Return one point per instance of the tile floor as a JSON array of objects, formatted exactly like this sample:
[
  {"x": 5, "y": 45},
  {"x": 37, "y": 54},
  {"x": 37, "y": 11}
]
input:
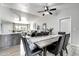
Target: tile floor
[
  {"x": 72, "y": 51},
  {"x": 13, "y": 51}
]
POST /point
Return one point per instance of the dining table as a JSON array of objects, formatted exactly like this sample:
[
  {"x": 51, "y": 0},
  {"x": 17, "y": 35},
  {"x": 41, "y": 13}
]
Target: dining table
[{"x": 44, "y": 41}]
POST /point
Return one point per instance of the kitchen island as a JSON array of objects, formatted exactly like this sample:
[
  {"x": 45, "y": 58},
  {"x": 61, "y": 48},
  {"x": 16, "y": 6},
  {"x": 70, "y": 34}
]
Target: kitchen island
[{"x": 8, "y": 40}]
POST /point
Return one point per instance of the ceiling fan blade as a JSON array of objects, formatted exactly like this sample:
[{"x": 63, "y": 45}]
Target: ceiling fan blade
[
  {"x": 47, "y": 8},
  {"x": 53, "y": 9},
  {"x": 50, "y": 13},
  {"x": 43, "y": 14},
  {"x": 40, "y": 11}
]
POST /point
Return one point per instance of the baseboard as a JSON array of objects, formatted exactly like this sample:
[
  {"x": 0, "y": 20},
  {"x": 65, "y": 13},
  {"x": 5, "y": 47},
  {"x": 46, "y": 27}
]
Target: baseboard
[{"x": 76, "y": 45}]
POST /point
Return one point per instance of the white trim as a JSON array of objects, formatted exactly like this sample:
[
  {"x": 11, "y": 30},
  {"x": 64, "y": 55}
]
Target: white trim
[
  {"x": 62, "y": 18},
  {"x": 67, "y": 17},
  {"x": 76, "y": 45}
]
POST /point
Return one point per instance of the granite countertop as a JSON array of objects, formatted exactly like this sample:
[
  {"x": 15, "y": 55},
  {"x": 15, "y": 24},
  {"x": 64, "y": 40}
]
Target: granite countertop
[{"x": 10, "y": 33}]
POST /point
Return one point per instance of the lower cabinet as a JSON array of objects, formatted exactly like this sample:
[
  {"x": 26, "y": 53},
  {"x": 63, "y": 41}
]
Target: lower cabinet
[{"x": 9, "y": 40}]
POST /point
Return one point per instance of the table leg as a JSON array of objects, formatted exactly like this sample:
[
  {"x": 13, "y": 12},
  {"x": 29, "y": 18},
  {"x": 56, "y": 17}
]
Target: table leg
[{"x": 44, "y": 51}]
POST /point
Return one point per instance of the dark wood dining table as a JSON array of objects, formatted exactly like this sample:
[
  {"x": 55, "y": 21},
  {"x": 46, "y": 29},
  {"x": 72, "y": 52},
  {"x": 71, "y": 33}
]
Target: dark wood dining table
[{"x": 44, "y": 41}]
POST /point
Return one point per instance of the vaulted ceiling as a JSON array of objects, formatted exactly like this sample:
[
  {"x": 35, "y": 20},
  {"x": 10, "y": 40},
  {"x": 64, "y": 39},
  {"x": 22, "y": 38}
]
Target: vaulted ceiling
[{"x": 29, "y": 8}]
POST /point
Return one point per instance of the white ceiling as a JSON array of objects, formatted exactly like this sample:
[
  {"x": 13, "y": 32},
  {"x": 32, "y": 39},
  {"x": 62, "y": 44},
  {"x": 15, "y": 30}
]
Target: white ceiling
[{"x": 29, "y": 8}]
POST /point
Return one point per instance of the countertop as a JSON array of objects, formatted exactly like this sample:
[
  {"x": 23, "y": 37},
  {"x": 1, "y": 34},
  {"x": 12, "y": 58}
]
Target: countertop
[{"x": 10, "y": 33}]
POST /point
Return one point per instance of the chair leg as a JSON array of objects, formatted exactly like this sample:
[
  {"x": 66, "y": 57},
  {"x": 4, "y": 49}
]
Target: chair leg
[
  {"x": 61, "y": 53},
  {"x": 25, "y": 54},
  {"x": 66, "y": 51},
  {"x": 40, "y": 54},
  {"x": 44, "y": 51},
  {"x": 56, "y": 54}
]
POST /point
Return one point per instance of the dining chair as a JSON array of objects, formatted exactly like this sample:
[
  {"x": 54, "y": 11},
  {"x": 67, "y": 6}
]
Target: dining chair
[
  {"x": 33, "y": 34},
  {"x": 57, "y": 49},
  {"x": 28, "y": 51},
  {"x": 66, "y": 42},
  {"x": 59, "y": 33}
]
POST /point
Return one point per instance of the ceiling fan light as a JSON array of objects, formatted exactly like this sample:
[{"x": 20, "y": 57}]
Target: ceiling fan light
[
  {"x": 45, "y": 8},
  {"x": 43, "y": 14},
  {"x": 46, "y": 13}
]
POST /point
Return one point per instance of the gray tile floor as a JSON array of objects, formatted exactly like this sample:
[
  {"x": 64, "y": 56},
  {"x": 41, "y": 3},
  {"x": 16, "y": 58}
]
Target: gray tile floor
[
  {"x": 72, "y": 51},
  {"x": 75, "y": 51},
  {"x": 13, "y": 51}
]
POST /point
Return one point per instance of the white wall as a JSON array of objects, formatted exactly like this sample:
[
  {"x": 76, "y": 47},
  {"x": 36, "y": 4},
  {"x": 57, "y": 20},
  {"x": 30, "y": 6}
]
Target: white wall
[
  {"x": 51, "y": 22},
  {"x": 73, "y": 11},
  {"x": 7, "y": 27},
  {"x": 0, "y": 26},
  {"x": 65, "y": 10},
  {"x": 8, "y": 15}
]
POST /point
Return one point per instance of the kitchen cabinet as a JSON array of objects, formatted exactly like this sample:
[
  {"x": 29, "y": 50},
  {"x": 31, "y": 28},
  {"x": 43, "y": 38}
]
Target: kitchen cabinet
[{"x": 8, "y": 40}]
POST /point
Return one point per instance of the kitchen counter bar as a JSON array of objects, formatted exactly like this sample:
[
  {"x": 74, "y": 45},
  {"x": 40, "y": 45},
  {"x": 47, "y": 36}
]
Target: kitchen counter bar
[
  {"x": 9, "y": 39},
  {"x": 10, "y": 33}
]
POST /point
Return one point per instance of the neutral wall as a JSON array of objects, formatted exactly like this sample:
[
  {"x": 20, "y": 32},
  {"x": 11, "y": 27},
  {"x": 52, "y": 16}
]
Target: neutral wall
[
  {"x": 9, "y": 16},
  {"x": 0, "y": 26},
  {"x": 6, "y": 14},
  {"x": 51, "y": 22},
  {"x": 73, "y": 11},
  {"x": 7, "y": 27},
  {"x": 66, "y": 10}
]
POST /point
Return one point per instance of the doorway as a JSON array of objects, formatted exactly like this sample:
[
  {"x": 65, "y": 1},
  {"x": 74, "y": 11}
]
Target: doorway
[{"x": 65, "y": 25}]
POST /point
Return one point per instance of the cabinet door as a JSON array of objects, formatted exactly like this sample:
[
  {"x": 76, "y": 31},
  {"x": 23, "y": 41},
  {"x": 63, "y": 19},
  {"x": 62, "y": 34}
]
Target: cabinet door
[
  {"x": 16, "y": 39},
  {"x": 0, "y": 41},
  {"x": 4, "y": 41},
  {"x": 9, "y": 40}
]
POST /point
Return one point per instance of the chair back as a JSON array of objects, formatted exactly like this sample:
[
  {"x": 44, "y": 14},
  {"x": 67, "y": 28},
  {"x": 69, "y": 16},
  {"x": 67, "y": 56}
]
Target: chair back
[
  {"x": 66, "y": 40},
  {"x": 62, "y": 33},
  {"x": 60, "y": 43},
  {"x": 26, "y": 46}
]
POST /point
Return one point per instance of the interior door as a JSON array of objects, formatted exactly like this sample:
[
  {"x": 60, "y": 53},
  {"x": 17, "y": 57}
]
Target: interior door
[{"x": 65, "y": 25}]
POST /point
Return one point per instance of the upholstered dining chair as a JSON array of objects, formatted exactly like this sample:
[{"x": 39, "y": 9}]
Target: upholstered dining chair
[
  {"x": 57, "y": 49},
  {"x": 67, "y": 36},
  {"x": 59, "y": 33},
  {"x": 28, "y": 51}
]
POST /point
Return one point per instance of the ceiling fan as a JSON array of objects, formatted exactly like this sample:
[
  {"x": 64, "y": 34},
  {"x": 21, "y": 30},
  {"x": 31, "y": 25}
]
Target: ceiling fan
[{"x": 47, "y": 10}]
